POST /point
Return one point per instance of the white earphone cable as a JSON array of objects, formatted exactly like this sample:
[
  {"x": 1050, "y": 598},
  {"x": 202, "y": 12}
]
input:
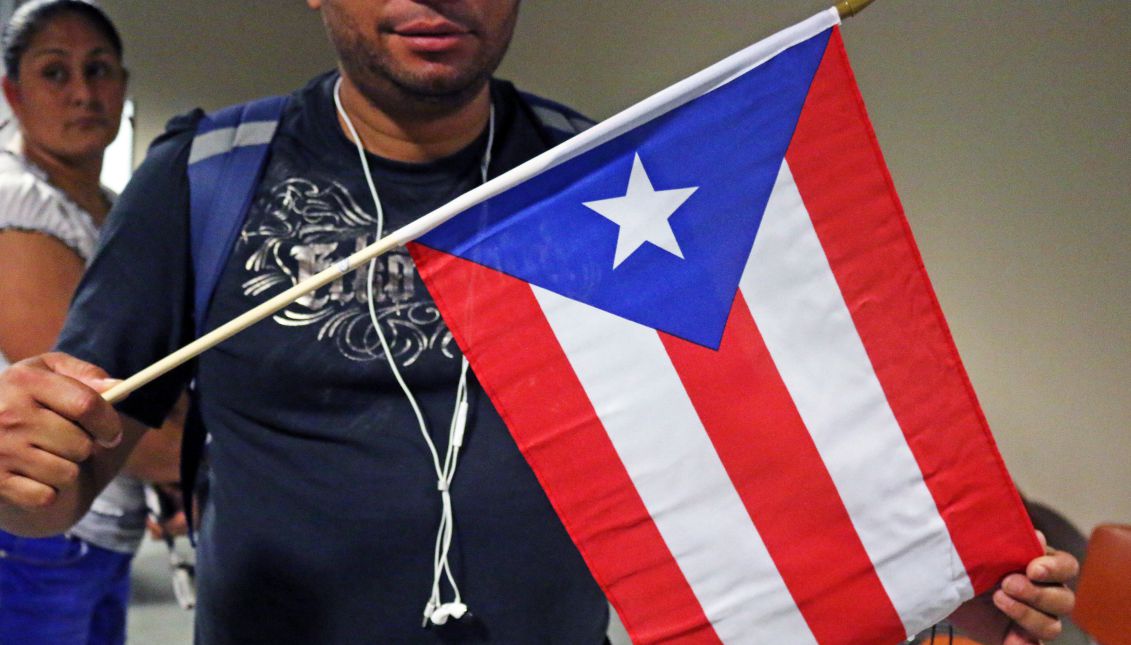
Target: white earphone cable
[{"x": 435, "y": 610}]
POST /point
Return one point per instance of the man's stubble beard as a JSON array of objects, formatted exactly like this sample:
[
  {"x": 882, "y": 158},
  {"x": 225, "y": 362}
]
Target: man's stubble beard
[{"x": 391, "y": 88}]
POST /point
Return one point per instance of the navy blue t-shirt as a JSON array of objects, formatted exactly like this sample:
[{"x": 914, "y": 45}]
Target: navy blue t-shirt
[{"x": 323, "y": 507}]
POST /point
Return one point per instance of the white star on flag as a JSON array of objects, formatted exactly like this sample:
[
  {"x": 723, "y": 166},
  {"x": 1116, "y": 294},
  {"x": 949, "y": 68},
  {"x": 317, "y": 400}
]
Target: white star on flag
[{"x": 642, "y": 214}]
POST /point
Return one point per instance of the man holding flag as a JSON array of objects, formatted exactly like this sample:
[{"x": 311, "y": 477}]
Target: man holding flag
[{"x": 337, "y": 427}]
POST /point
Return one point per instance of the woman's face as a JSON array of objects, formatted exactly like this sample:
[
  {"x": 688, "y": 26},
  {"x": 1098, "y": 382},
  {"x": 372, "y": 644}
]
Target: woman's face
[{"x": 69, "y": 94}]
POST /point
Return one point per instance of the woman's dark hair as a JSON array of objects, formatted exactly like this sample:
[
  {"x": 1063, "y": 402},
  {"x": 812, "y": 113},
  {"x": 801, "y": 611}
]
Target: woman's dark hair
[{"x": 31, "y": 17}]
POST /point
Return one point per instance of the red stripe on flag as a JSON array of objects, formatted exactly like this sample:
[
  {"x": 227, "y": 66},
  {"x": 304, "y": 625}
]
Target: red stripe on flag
[
  {"x": 840, "y": 173},
  {"x": 767, "y": 451},
  {"x": 508, "y": 341}
]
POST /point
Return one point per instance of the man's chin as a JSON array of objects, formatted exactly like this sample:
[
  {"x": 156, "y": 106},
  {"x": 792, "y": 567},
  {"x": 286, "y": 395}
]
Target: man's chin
[{"x": 441, "y": 89}]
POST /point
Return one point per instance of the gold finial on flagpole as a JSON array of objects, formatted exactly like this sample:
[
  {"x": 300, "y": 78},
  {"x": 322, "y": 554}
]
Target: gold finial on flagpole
[{"x": 849, "y": 8}]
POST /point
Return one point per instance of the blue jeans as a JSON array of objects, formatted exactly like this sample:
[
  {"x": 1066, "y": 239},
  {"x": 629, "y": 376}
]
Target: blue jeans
[{"x": 62, "y": 591}]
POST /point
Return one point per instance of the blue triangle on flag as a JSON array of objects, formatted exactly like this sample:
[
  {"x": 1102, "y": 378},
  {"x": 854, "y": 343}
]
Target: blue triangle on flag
[{"x": 728, "y": 143}]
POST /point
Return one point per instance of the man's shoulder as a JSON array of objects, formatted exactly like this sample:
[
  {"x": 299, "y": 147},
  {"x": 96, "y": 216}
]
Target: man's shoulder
[
  {"x": 557, "y": 120},
  {"x": 187, "y": 125},
  {"x": 178, "y": 132},
  {"x": 558, "y": 116}
]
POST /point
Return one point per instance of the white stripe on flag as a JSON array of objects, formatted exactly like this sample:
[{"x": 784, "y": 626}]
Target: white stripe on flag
[
  {"x": 812, "y": 339},
  {"x": 658, "y": 436}
]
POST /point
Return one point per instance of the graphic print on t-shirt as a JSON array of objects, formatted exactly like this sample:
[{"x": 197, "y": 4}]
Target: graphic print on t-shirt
[{"x": 307, "y": 227}]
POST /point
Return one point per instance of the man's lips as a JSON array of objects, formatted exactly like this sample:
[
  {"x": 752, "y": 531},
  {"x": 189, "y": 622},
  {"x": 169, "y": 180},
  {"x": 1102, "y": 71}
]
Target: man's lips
[{"x": 431, "y": 36}]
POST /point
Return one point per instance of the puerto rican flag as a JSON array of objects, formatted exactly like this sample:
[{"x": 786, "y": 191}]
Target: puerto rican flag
[{"x": 709, "y": 330}]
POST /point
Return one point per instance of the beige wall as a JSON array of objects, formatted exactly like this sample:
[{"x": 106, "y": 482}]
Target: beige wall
[
  {"x": 211, "y": 53},
  {"x": 1006, "y": 128}
]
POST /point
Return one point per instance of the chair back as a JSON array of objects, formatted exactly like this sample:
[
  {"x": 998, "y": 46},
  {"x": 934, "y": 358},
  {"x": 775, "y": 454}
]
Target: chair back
[{"x": 1103, "y": 594}]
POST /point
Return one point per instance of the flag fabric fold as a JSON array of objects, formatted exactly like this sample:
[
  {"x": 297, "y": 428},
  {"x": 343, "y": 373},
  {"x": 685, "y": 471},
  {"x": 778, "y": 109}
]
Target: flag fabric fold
[{"x": 707, "y": 326}]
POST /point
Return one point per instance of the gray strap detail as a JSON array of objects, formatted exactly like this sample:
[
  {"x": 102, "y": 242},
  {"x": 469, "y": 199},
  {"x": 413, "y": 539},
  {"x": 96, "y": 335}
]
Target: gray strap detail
[
  {"x": 581, "y": 125},
  {"x": 220, "y": 141},
  {"x": 554, "y": 119}
]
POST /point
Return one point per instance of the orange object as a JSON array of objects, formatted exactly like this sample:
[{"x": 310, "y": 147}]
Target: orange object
[{"x": 1103, "y": 596}]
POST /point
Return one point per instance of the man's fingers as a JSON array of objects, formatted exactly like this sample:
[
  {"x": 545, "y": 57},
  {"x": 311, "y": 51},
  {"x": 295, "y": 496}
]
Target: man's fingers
[
  {"x": 1053, "y": 599},
  {"x": 1057, "y": 567},
  {"x": 63, "y": 439},
  {"x": 1033, "y": 606},
  {"x": 49, "y": 469},
  {"x": 24, "y": 492},
  {"x": 66, "y": 396},
  {"x": 1026, "y": 618},
  {"x": 50, "y": 422},
  {"x": 75, "y": 368},
  {"x": 37, "y": 429}
]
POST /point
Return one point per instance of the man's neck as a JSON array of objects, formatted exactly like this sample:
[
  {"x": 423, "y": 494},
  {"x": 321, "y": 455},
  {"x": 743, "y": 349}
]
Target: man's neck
[{"x": 414, "y": 132}]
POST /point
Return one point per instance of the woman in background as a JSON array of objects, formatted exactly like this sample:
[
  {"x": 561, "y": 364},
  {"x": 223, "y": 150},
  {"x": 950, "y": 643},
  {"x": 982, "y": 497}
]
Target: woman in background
[{"x": 66, "y": 85}]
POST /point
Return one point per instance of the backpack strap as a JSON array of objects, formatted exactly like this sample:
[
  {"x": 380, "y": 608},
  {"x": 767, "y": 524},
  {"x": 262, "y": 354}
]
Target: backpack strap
[
  {"x": 226, "y": 162},
  {"x": 558, "y": 121}
]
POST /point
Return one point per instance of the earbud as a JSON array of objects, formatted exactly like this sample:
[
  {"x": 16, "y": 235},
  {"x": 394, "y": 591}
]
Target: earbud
[{"x": 448, "y": 610}]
